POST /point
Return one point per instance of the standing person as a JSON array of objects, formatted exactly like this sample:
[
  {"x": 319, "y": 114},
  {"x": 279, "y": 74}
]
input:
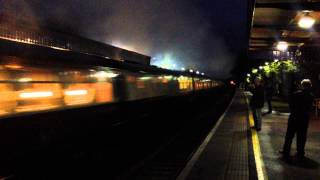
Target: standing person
[
  {"x": 300, "y": 104},
  {"x": 257, "y": 102},
  {"x": 269, "y": 94}
]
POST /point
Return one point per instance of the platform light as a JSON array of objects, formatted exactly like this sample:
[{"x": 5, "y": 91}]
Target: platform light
[
  {"x": 232, "y": 83},
  {"x": 306, "y": 22},
  {"x": 282, "y": 46},
  {"x": 275, "y": 53},
  {"x": 254, "y": 71},
  {"x": 197, "y": 72},
  {"x": 202, "y": 74},
  {"x": 191, "y": 70}
]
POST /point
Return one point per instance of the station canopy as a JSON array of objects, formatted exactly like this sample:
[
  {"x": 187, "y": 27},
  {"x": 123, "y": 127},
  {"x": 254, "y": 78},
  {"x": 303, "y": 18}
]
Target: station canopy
[{"x": 278, "y": 20}]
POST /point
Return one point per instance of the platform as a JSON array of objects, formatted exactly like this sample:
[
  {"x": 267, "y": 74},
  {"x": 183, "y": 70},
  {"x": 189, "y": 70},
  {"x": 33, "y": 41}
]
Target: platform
[{"x": 233, "y": 150}]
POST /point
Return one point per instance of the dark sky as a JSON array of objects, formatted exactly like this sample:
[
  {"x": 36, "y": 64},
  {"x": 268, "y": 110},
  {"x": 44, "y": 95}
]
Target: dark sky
[{"x": 204, "y": 34}]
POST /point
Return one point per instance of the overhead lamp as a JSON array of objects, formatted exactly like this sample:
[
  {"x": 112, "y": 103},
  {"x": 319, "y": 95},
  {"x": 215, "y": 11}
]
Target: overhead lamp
[
  {"x": 260, "y": 67},
  {"x": 306, "y": 21},
  {"x": 282, "y": 46}
]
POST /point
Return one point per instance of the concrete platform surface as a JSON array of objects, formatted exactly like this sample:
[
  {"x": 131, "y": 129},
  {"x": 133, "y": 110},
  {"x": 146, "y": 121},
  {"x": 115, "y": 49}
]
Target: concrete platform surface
[
  {"x": 271, "y": 141},
  {"x": 225, "y": 153},
  {"x": 233, "y": 150}
]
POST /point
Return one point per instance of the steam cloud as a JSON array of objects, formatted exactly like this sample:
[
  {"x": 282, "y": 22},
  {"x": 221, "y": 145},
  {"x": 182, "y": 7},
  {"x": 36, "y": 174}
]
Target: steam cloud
[{"x": 192, "y": 36}]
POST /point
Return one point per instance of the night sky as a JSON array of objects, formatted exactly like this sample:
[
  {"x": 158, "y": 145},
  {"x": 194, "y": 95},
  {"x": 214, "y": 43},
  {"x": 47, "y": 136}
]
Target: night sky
[{"x": 207, "y": 35}]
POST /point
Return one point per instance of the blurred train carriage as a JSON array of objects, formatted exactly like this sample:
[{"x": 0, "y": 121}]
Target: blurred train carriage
[
  {"x": 25, "y": 88},
  {"x": 35, "y": 76}
]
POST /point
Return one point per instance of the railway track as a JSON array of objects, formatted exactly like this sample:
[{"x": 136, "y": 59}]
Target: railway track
[
  {"x": 146, "y": 145},
  {"x": 171, "y": 158}
]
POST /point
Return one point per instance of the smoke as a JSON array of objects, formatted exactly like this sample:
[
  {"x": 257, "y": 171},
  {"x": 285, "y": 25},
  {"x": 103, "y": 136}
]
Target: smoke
[{"x": 180, "y": 28}]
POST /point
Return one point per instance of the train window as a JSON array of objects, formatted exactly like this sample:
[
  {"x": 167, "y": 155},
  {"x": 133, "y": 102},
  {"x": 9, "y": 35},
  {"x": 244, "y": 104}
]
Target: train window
[
  {"x": 36, "y": 90},
  {"x": 78, "y": 93}
]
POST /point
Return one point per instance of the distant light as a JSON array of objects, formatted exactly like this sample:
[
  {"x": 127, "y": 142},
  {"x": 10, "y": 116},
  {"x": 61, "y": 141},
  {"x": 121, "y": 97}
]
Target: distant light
[
  {"x": 276, "y": 60},
  {"x": 260, "y": 67},
  {"x": 183, "y": 69},
  {"x": 75, "y": 92},
  {"x": 232, "y": 83},
  {"x": 191, "y": 70},
  {"x": 168, "y": 77},
  {"x": 145, "y": 78},
  {"x": 306, "y": 22},
  {"x": 266, "y": 63},
  {"x": 248, "y": 75},
  {"x": 282, "y": 46},
  {"x": 197, "y": 72},
  {"x": 202, "y": 74},
  {"x": 36, "y": 94}
]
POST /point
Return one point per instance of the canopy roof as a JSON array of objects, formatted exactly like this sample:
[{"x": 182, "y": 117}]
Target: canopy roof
[{"x": 277, "y": 20}]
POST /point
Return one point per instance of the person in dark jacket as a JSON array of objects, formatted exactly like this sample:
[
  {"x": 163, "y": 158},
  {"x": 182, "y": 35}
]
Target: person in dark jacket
[
  {"x": 257, "y": 102},
  {"x": 300, "y": 104},
  {"x": 269, "y": 94}
]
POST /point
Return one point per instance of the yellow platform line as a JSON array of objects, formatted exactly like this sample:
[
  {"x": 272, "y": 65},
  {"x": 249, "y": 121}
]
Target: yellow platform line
[{"x": 260, "y": 167}]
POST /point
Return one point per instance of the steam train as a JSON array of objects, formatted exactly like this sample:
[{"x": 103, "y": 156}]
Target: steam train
[
  {"x": 59, "y": 93},
  {"x": 39, "y": 79}
]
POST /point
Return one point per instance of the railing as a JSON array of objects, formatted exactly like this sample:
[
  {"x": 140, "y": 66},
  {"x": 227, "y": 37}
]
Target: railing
[{"x": 66, "y": 42}]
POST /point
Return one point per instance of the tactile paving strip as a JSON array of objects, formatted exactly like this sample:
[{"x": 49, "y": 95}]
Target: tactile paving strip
[
  {"x": 237, "y": 167},
  {"x": 226, "y": 154}
]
